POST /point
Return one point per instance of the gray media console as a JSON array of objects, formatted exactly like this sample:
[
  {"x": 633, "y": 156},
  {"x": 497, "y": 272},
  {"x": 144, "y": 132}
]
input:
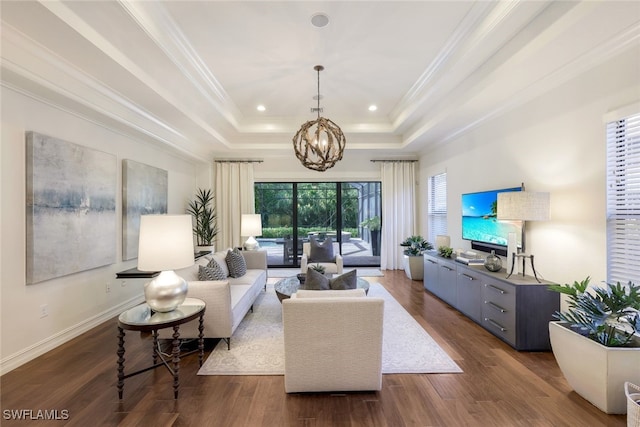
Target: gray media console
[{"x": 516, "y": 310}]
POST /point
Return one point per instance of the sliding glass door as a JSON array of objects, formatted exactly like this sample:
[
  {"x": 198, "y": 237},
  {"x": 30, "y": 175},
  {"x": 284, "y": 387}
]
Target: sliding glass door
[
  {"x": 275, "y": 202},
  {"x": 317, "y": 213},
  {"x": 293, "y": 212},
  {"x": 362, "y": 219}
]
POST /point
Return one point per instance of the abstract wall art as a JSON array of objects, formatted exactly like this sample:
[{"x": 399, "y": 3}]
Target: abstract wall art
[
  {"x": 144, "y": 192},
  {"x": 70, "y": 207}
]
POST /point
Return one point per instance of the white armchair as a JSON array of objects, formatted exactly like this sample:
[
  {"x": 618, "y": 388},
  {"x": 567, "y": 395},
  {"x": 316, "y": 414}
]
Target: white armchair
[
  {"x": 335, "y": 267},
  {"x": 332, "y": 341}
]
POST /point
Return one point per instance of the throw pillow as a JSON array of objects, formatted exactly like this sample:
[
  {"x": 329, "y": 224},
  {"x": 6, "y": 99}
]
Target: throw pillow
[
  {"x": 315, "y": 281},
  {"x": 190, "y": 274},
  {"x": 321, "y": 251},
  {"x": 210, "y": 273},
  {"x": 221, "y": 259},
  {"x": 345, "y": 281},
  {"x": 236, "y": 263},
  {"x": 219, "y": 272}
]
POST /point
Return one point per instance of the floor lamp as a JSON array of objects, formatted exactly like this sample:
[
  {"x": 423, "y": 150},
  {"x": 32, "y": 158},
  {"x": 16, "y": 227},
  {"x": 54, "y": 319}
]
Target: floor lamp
[{"x": 523, "y": 206}]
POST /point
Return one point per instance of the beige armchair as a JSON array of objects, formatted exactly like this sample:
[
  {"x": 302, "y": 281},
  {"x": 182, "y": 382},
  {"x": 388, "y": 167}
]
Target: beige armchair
[
  {"x": 332, "y": 341},
  {"x": 335, "y": 267}
]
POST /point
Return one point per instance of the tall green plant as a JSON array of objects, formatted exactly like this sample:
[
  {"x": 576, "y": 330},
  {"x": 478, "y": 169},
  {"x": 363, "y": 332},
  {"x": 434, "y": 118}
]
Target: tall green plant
[
  {"x": 609, "y": 315},
  {"x": 205, "y": 227}
]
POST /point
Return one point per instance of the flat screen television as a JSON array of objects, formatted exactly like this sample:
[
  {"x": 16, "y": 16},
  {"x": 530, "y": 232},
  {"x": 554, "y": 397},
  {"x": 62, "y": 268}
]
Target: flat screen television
[{"x": 480, "y": 223}]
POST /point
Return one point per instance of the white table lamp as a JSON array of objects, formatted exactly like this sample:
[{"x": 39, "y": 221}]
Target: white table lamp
[
  {"x": 523, "y": 206},
  {"x": 251, "y": 226},
  {"x": 165, "y": 244}
]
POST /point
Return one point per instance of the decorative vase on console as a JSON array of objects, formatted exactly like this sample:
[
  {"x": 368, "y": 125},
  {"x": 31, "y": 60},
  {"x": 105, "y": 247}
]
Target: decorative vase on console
[{"x": 493, "y": 262}]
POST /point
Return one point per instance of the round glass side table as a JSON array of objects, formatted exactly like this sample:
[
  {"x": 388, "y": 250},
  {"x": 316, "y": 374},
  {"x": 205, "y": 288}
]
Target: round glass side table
[{"x": 142, "y": 318}]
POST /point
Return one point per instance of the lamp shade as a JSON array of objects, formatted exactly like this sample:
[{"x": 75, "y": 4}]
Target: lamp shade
[
  {"x": 523, "y": 206},
  {"x": 251, "y": 225},
  {"x": 166, "y": 242},
  {"x": 442, "y": 240}
]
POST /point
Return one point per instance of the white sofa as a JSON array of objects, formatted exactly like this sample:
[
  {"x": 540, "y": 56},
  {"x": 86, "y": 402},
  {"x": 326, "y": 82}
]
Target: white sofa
[
  {"x": 228, "y": 301},
  {"x": 332, "y": 341}
]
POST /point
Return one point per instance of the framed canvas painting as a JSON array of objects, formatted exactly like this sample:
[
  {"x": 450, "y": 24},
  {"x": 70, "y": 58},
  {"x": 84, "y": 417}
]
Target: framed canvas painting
[
  {"x": 71, "y": 208},
  {"x": 144, "y": 192}
]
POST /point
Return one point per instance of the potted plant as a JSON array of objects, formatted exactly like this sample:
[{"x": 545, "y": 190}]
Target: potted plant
[
  {"x": 373, "y": 224},
  {"x": 414, "y": 246},
  {"x": 205, "y": 227},
  {"x": 596, "y": 341},
  {"x": 445, "y": 251},
  {"x": 319, "y": 268}
]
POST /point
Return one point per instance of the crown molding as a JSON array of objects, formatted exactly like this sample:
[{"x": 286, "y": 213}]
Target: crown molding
[
  {"x": 67, "y": 16},
  {"x": 625, "y": 39},
  {"x": 22, "y": 56},
  {"x": 156, "y": 22},
  {"x": 482, "y": 21}
]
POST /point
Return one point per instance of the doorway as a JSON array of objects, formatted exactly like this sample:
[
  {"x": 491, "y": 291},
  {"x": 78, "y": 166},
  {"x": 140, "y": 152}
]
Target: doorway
[{"x": 293, "y": 212}]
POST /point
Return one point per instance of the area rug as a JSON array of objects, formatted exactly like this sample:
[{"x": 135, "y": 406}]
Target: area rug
[
  {"x": 288, "y": 272},
  {"x": 257, "y": 346}
]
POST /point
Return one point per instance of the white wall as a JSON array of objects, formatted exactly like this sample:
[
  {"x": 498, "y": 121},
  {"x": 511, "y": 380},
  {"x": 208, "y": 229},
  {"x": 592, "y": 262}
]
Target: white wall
[
  {"x": 78, "y": 301},
  {"x": 555, "y": 143}
]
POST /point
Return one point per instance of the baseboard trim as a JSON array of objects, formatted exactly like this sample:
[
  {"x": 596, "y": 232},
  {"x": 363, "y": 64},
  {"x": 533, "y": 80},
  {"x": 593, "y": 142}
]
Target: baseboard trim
[{"x": 21, "y": 357}]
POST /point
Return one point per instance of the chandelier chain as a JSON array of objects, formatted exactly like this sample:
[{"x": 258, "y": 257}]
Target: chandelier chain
[{"x": 318, "y": 69}]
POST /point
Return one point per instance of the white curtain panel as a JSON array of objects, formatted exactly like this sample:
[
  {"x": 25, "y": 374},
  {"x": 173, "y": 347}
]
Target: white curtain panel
[
  {"x": 398, "y": 211},
  {"x": 234, "y": 197}
]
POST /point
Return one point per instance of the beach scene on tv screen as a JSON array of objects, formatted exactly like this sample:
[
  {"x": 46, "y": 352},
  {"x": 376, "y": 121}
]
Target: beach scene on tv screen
[{"x": 479, "y": 219}]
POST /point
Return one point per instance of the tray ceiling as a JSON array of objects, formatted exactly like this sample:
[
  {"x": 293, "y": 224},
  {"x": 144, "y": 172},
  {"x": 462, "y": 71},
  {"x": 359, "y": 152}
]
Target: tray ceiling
[{"x": 190, "y": 74}]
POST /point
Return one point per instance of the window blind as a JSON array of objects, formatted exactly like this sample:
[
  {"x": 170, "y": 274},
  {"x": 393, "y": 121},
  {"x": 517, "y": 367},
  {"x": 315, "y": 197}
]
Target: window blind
[
  {"x": 437, "y": 206},
  {"x": 623, "y": 200}
]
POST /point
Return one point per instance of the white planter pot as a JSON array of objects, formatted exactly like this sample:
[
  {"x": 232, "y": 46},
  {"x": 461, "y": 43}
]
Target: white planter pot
[
  {"x": 211, "y": 248},
  {"x": 594, "y": 371},
  {"x": 414, "y": 267}
]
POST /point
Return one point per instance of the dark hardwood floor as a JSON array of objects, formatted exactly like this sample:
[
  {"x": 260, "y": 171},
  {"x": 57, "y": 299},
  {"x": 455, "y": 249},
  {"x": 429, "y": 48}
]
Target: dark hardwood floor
[{"x": 499, "y": 386}]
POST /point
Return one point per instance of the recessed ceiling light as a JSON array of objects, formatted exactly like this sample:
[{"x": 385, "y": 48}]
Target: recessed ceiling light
[
  {"x": 373, "y": 107},
  {"x": 320, "y": 20},
  {"x": 261, "y": 108}
]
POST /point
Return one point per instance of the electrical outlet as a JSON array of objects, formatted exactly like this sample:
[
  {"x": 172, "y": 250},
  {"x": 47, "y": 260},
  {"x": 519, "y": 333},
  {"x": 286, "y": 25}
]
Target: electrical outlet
[
  {"x": 108, "y": 287},
  {"x": 44, "y": 310}
]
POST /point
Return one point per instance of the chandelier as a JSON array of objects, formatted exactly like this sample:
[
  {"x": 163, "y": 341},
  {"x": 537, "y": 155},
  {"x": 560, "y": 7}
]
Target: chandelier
[{"x": 319, "y": 143}]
